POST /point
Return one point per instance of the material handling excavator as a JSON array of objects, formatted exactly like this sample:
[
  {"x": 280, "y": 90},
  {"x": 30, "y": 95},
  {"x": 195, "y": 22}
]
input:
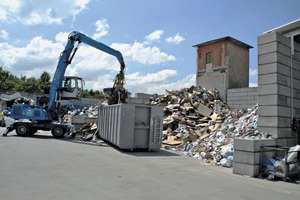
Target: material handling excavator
[{"x": 31, "y": 118}]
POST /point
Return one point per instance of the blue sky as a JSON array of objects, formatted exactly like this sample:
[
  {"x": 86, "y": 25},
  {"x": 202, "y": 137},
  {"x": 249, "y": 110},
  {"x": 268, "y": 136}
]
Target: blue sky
[{"x": 154, "y": 36}]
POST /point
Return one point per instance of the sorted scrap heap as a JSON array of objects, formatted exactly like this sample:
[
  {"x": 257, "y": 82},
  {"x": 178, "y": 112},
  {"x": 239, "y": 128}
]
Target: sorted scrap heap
[{"x": 199, "y": 124}]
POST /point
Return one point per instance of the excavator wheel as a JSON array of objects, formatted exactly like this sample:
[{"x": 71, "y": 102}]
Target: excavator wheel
[
  {"x": 57, "y": 132},
  {"x": 22, "y": 129}
]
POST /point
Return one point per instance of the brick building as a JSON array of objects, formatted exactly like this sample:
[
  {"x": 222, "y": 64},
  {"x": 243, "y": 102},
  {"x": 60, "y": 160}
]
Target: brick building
[{"x": 223, "y": 64}]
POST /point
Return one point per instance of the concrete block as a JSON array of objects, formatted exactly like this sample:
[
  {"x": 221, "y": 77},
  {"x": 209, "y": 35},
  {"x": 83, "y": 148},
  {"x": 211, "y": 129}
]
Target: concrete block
[
  {"x": 267, "y": 100},
  {"x": 274, "y": 57},
  {"x": 246, "y": 157},
  {"x": 296, "y": 94},
  {"x": 267, "y": 47},
  {"x": 252, "y": 94},
  {"x": 284, "y": 90},
  {"x": 284, "y": 59},
  {"x": 143, "y": 96},
  {"x": 284, "y": 100},
  {"x": 270, "y": 37},
  {"x": 274, "y": 68},
  {"x": 297, "y": 112},
  {"x": 249, "y": 89},
  {"x": 204, "y": 110},
  {"x": 274, "y": 110},
  {"x": 134, "y": 100},
  {"x": 284, "y": 80},
  {"x": 287, "y": 142},
  {"x": 284, "y": 48},
  {"x": 268, "y": 89},
  {"x": 83, "y": 120},
  {"x": 245, "y": 169},
  {"x": 274, "y": 89},
  {"x": 267, "y": 58},
  {"x": 277, "y": 132},
  {"x": 270, "y": 121},
  {"x": 238, "y": 94},
  {"x": 279, "y": 100},
  {"x": 266, "y": 38},
  {"x": 251, "y": 102},
  {"x": 274, "y": 46},
  {"x": 234, "y": 98},
  {"x": 251, "y": 145},
  {"x": 265, "y": 79},
  {"x": 296, "y": 84}
]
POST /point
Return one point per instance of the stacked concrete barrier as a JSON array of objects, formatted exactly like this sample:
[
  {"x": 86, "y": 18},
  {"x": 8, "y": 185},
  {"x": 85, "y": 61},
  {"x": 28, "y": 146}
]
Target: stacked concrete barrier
[
  {"x": 246, "y": 155},
  {"x": 242, "y": 98},
  {"x": 276, "y": 98}
]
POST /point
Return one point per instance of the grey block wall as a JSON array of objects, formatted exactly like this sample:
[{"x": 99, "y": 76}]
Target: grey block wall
[
  {"x": 242, "y": 98},
  {"x": 274, "y": 92},
  {"x": 246, "y": 155}
]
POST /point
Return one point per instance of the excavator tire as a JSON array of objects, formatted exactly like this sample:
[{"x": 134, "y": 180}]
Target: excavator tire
[
  {"x": 22, "y": 129},
  {"x": 57, "y": 132}
]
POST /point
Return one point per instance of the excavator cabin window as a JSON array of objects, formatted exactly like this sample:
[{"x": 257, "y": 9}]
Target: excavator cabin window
[{"x": 69, "y": 84}]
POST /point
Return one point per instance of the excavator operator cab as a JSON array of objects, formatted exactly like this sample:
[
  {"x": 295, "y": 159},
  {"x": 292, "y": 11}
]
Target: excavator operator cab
[{"x": 72, "y": 88}]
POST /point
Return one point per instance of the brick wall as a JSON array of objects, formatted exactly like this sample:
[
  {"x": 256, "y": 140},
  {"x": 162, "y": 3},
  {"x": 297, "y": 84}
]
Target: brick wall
[
  {"x": 242, "y": 98},
  {"x": 274, "y": 79}
]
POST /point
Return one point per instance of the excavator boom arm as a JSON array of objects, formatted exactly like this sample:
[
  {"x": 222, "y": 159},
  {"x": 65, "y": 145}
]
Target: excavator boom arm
[{"x": 67, "y": 56}]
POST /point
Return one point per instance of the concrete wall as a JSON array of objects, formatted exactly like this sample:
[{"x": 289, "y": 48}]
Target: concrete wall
[
  {"x": 274, "y": 79},
  {"x": 216, "y": 80},
  {"x": 242, "y": 98},
  {"x": 238, "y": 65}
]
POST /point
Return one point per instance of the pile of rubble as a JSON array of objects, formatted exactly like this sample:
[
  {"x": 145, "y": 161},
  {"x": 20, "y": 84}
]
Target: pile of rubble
[
  {"x": 79, "y": 110},
  {"x": 197, "y": 123},
  {"x": 87, "y": 130}
]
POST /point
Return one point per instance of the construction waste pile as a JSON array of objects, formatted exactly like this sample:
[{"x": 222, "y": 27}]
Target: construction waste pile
[
  {"x": 86, "y": 131},
  {"x": 198, "y": 124}
]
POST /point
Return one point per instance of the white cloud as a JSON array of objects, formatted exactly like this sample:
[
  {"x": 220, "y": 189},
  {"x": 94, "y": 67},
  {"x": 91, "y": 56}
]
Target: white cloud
[
  {"x": 158, "y": 77},
  {"x": 253, "y": 72},
  {"x": 33, "y": 12},
  {"x": 157, "y": 82},
  {"x": 253, "y": 85},
  {"x": 175, "y": 39},
  {"x": 141, "y": 53},
  {"x": 3, "y": 34},
  {"x": 154, "y": 36},
  {"x": 8, "y": 7},
  {"x": 37, "y": 56},
  {"x": 62, "y": 37},
  {"x": 101, "y": 28}
]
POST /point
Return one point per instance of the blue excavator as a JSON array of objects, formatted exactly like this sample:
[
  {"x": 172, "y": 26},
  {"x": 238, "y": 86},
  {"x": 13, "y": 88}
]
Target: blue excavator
[{"x": 45, "y": 115}]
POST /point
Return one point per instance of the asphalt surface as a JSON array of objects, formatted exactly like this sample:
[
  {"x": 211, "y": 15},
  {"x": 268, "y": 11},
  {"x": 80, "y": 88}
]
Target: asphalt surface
[{"x": 42, "y": 168}]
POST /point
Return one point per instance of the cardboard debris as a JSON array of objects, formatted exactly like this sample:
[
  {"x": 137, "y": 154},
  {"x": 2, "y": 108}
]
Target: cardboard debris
[
  {"x": 86, "y": 132},
  {"x": 198, "y": 124}
]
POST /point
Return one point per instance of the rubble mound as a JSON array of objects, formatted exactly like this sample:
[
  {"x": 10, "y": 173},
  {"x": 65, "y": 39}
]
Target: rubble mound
[{"x": 197, "y": 123}]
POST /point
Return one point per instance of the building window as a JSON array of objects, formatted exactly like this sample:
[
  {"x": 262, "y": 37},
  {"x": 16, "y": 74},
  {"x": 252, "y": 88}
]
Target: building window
[{"x": 209, "y": 57}]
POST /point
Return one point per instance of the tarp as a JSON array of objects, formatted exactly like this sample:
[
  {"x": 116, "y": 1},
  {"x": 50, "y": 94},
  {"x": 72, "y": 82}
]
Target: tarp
[{"x": 6, "y": 97}]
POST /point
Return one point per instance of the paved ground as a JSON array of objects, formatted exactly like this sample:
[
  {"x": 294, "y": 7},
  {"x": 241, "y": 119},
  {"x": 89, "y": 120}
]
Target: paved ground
[{"x": 42, "y": 167}]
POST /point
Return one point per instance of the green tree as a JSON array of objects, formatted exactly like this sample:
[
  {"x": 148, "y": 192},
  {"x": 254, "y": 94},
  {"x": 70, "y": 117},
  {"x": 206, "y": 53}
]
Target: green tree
[
  {"x": 45, "y": 82},
  {"x": 32, "y": 85}
]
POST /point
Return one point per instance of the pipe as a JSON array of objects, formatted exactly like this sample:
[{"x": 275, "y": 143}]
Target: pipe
[{"x": 292, "y": 85}]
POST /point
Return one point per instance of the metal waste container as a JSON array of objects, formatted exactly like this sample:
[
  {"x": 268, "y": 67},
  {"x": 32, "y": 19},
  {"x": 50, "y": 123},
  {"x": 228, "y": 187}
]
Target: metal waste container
[{"x": 131, "y": 126}]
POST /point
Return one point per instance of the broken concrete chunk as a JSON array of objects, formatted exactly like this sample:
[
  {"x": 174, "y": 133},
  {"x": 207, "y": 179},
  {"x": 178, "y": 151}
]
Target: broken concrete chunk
[{"x": 204, "y": 110}]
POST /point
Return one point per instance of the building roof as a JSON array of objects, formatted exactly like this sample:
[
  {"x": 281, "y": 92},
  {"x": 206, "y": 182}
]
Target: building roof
[
  {"x": 286, "y": 27},
  {"x": 224, "y": 39}
]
